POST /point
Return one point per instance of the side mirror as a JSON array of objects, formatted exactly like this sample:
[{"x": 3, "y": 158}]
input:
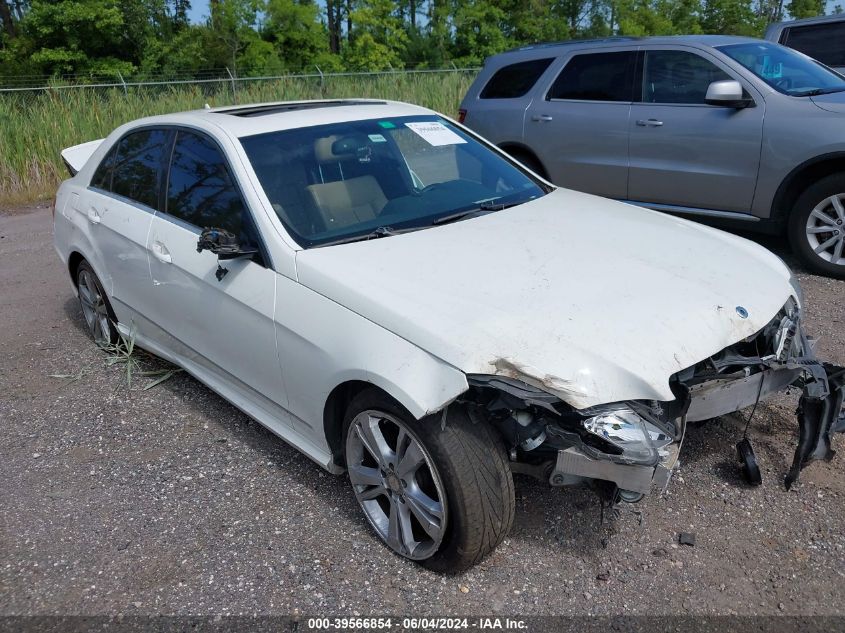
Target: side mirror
[
  {"x": 223, "y": 244},
  {"x": 727, "y": 93}
]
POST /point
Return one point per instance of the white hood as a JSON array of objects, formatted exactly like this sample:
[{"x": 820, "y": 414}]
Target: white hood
[{"x": 593, "y": 300}]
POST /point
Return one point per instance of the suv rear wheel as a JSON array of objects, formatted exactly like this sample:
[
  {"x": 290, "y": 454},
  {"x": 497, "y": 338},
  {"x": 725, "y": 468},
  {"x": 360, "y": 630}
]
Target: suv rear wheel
[
  {"x": 436, "y": 491},
  {"x": 817, "y": 226}
]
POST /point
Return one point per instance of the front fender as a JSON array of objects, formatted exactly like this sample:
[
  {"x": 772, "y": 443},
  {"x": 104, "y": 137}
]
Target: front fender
[{"x": 323, "y": 344}]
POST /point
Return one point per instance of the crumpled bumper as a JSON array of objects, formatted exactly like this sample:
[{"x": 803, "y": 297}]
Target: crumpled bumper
[{"x": 733, "y": 381}]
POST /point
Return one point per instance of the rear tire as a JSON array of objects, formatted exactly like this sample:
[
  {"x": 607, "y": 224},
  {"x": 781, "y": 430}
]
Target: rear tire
[
  {"x": 95, "y": 305},
  {"x": 468, "y": 466},
  {"x": 817, "y": 226}
]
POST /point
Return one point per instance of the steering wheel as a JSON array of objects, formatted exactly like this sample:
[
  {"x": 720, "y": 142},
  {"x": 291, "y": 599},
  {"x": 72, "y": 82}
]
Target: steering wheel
[
  {"x": 784, "y": 82},
  {"x": 433, "y": 186}
]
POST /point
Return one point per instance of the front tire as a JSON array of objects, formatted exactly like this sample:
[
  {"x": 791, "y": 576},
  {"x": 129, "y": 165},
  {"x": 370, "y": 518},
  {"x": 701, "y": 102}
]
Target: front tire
[
  {"x": 817, "y": 226},
  {"x": 95, "y": 306},
  {"x": 438, "y": 492}
]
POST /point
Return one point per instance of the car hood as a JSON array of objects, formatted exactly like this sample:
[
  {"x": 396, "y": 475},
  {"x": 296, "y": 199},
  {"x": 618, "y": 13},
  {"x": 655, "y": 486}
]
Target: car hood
[
  {"x": 833, "y": 102},
  {"x": 594, "y": 300}
]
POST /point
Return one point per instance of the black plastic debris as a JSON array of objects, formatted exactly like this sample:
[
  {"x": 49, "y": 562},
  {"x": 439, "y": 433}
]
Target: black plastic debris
[{"x": 687, "y": 538}]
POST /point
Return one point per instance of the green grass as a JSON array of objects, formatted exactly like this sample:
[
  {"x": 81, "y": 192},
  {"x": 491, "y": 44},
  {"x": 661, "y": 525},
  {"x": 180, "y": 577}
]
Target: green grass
[{"x": 35, "y": 127}]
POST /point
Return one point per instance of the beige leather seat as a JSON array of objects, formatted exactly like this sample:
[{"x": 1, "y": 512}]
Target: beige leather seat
[{"x": 344, "y": 202}]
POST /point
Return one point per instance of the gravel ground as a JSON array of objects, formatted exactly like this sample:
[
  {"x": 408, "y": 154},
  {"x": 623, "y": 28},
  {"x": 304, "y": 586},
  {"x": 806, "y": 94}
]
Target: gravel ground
[{"x": 120, "y": 500}]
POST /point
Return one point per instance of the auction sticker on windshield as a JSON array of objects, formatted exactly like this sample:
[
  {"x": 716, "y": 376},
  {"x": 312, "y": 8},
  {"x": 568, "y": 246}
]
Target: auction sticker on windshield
[{"x": 435, "y": 134}]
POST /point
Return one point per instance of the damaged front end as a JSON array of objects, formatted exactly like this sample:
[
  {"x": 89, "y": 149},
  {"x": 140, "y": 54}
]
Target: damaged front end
[{"x": 634, "y": 445}]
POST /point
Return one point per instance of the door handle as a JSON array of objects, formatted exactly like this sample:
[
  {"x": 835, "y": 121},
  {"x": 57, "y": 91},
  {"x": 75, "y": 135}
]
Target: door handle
[
  {"x": 93, "y": 216},
  {"x": 541, "y": 117},
  {"x": 649, "y": 123},
  {"x": 161, "y": 253}
]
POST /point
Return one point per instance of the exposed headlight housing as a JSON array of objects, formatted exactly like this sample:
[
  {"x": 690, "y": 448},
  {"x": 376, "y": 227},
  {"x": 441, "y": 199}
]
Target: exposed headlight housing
[{"x": 638, "y": 440}]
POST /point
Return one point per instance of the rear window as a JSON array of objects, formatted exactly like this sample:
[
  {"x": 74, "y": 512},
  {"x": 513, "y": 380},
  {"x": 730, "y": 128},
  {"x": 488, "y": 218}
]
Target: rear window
[
  {"x": 597, "y": 77},
  {"x": 824, "y": 42},
  {"x": 132, "y": 168},
  {"x": 515, "y": 80}
]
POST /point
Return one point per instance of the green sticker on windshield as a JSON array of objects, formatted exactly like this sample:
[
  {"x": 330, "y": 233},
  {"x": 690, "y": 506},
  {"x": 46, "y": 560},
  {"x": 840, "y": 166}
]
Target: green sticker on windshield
[{"x": 387, "y": 125}]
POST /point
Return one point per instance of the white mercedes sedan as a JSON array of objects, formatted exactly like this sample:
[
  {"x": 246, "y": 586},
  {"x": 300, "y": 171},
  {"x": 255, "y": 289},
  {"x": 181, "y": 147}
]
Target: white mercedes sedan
[{"x": 403, "y": 302}]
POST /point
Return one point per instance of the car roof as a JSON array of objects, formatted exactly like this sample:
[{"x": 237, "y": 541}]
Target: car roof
[
  {"x": 700, "y": 40},
  {"x": 819, "y": 19},
  {"x": 258, "y": 118}
]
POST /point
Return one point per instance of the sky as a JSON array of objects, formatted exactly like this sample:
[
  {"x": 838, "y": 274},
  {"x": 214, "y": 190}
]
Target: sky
[{"x": 199, "y": 9}]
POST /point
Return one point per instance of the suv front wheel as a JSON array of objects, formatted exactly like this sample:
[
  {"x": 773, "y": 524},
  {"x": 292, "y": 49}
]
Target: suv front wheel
[{"x": 817, "y": 226}]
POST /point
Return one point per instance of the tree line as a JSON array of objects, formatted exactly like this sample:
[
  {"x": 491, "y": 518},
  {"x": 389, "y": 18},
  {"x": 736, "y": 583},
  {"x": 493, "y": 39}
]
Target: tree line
[{"x": 154, "y": 38}]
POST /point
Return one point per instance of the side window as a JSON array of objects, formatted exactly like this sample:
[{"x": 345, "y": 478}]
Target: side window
[
  {"x": 824, "y": 42},
  {"x": 597, "y": 77},
  {"x": 200, "y": 189},
  {"x": 678, "y": 77},
  {"x": 137, "y": 166},
  {"x": 515, "y": 80},
  {"x": 102, "y": 177}
]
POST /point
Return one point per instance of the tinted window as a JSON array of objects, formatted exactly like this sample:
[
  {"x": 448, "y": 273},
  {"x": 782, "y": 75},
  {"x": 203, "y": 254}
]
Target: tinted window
[
  {"x": 824, "y": 42},
  {"x": 597, "y": 77},
  {"x": 102, "y": 177},
  {"x": 138, "y": 164},
  {"x": 200, "y": 189},
  {"x": 515, "y": 80},
  {"x": 678, "y": 77}
]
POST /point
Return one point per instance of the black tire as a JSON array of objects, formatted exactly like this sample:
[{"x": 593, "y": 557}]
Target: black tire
[
  {"x": 797, "y": 229},
  {"x": 473, "y": 468},
  {"x": 102, "y": 329}
]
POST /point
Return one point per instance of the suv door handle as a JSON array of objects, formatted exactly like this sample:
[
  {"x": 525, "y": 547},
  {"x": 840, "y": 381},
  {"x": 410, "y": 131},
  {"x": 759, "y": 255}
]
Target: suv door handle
[
  {"x": 93, "y": 216},
  {"x": 541, "y": 117},
  {"x": 161, "y": 253},
  {"x": 649, "y": 123}
]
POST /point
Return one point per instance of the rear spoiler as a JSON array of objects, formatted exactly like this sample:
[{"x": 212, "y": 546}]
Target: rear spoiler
[{"x": 75, "y": 157}]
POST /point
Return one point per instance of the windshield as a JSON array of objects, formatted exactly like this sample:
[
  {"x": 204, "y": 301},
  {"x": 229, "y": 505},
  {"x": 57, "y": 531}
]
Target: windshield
[
  {"x": 373, "y": 178},
  {"x": 785, "y": 70}
]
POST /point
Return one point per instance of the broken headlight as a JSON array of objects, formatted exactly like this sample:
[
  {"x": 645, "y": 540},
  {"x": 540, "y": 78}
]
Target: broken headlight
[{"x": 636, "y": 439}]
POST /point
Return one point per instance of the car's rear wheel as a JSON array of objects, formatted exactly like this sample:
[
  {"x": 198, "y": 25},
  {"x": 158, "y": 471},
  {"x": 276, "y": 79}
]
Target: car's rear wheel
[
  {"x": 95, "y": 306},
  {"x": 817, "y": 226},
  {"x": 436, "y": 491}
]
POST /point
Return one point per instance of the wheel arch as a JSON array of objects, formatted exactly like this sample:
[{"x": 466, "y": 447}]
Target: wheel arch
[
  {"x": 519, "y": 150},
  {"x": 74, "y": 259},
  {"x": 338, "y": 400},
  {"x": 802, "y": 177}
]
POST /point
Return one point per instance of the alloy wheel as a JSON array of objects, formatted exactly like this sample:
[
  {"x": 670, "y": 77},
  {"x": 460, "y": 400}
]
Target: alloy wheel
[
  {"x": 397, "y": 484},
  {"x": 94, "y": 308},
  {"x": 826, "y": 229}
]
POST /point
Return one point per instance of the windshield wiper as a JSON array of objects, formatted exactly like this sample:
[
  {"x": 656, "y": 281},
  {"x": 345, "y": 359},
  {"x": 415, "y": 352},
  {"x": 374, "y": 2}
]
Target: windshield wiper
[
  {"x": 484, "y": 206},
  {"x": 382, "y": 231},
  {"x": 817, "y": 91}
]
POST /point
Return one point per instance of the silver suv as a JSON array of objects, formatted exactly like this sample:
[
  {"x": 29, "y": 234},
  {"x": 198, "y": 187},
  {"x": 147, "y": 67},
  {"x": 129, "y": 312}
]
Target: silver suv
[{"x": 738, "y": 131}]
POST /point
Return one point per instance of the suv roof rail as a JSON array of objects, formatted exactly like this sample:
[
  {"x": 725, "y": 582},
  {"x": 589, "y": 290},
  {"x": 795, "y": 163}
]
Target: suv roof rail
[{"x": 615, "y": 38}]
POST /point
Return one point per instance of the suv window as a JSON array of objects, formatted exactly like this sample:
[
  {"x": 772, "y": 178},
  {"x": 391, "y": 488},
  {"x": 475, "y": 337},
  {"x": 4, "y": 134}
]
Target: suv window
[
  {"x": 102, "y": 177},
  {"x": 201, "y": 191},
  {"x": 137, "y": 166},
  {"x": 597, "y": 77},
  {"x": 678, "y": 77},
  {"x": 824, "y": 42},
  {"x": 515, "y": 80}
]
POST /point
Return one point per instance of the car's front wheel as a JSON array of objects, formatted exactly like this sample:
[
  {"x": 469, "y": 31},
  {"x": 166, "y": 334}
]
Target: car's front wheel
[
  {"x": 436, "y": 490},
  {"x": 95, "y": 306},
  {"x": 817, "y": 226}
]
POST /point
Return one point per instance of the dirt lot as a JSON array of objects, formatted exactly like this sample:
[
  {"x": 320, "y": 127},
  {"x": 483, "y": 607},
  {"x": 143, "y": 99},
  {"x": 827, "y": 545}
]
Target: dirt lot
[{"x": 119, "y": 500}]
